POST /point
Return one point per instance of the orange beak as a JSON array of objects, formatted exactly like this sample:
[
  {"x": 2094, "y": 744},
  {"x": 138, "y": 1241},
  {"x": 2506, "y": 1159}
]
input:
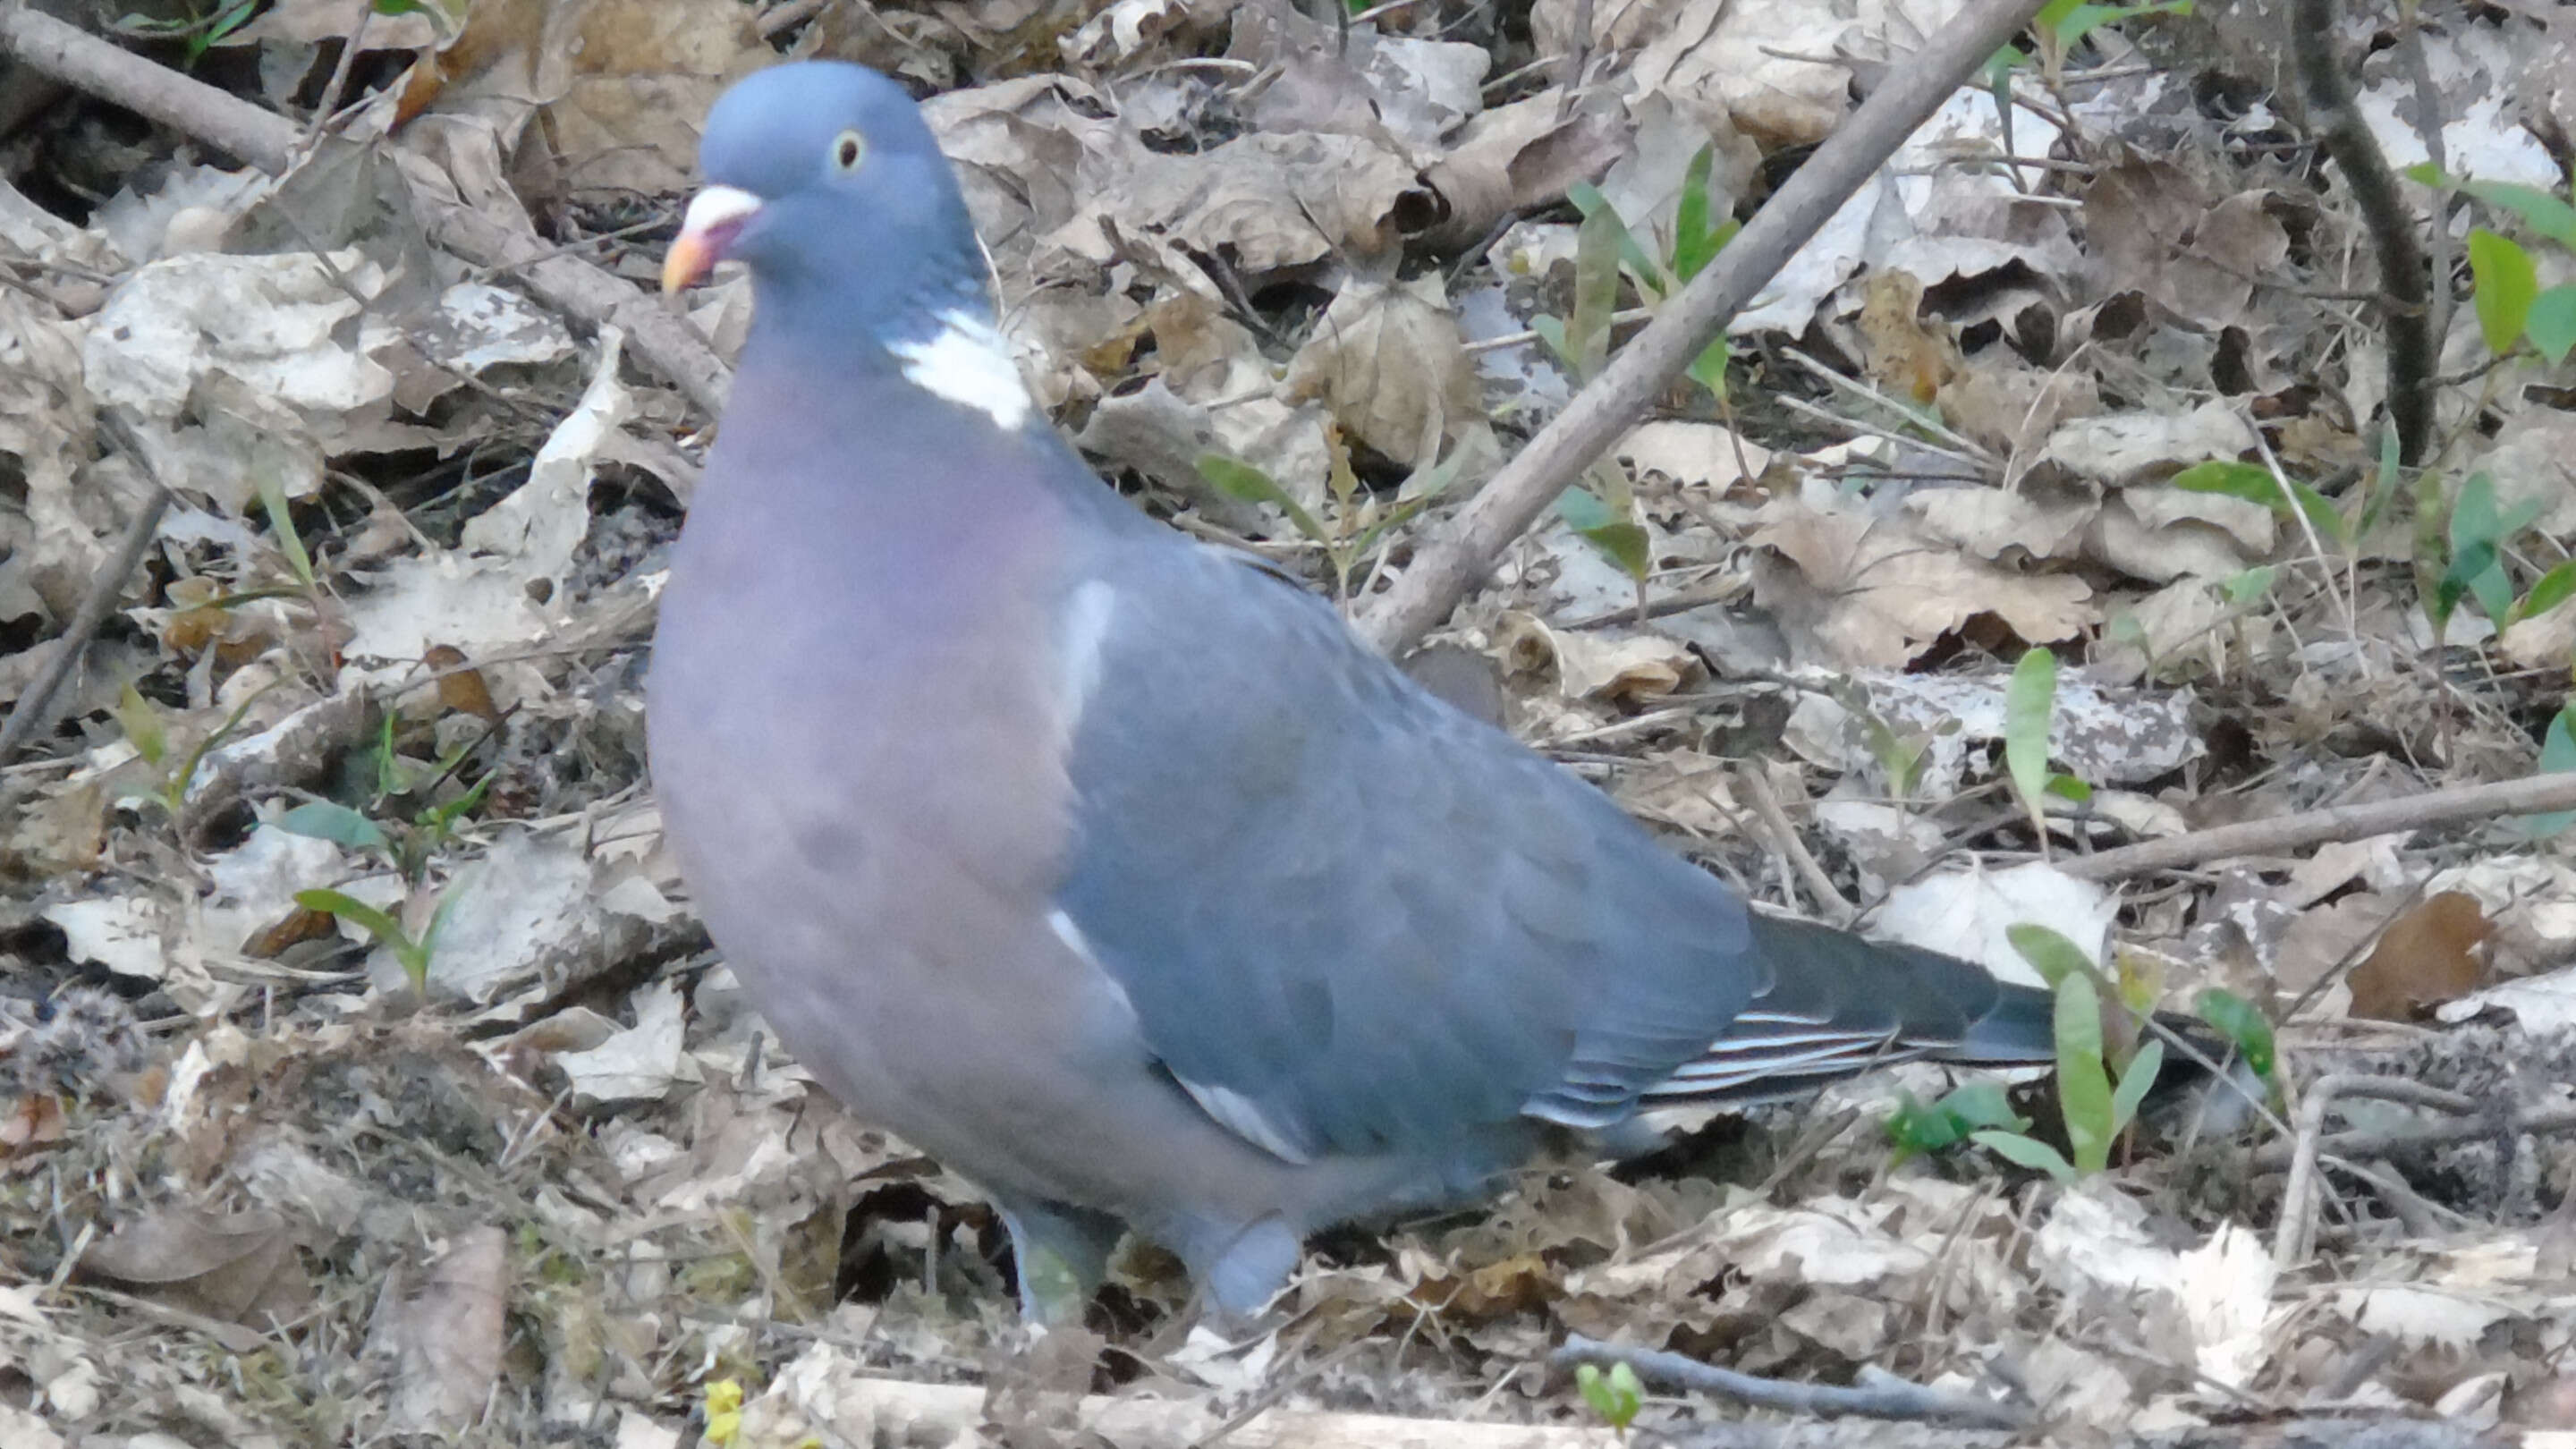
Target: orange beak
[{"x": 716, "y": 216}]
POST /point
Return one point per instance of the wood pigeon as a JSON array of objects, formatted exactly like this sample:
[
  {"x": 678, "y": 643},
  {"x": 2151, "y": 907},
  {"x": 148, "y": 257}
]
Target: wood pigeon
[{"x": 1109, "y": 867}]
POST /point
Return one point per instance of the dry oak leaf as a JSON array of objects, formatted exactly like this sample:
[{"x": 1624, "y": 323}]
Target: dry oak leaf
[
  {"x": 1874, "y": 591},
  {"x": 2428, "y": 956}
]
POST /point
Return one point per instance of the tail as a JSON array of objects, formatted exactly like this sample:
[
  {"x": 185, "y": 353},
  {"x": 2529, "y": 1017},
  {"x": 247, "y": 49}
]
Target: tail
[{"x": 1838, "y": 1005}]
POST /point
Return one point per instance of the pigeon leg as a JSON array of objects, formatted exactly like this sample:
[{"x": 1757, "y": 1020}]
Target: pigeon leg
[{"x": 1062, "y": 1254}]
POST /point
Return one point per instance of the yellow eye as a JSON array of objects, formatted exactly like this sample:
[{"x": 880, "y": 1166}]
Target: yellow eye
[{"x": 849, "y": 149}]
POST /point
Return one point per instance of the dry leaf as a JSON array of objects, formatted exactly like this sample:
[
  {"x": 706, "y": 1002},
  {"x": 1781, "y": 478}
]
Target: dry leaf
[
  {"x": 238, "y": 1267},
  {"x": 2428, "y": 956},
  {"x": 1386, "y": 358}
]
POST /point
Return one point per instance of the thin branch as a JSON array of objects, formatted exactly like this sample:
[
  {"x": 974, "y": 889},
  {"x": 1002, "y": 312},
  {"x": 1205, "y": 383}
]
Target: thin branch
[
  {"x": 2534, "y": 795},
  {"x": 105, "y": 586},
  {"x": 1878, "y": 1395},
  {"x": 2296, "y": 1230}
]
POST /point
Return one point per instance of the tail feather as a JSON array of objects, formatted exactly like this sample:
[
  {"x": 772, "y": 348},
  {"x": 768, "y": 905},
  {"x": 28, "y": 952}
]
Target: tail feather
[{"x": 1839, "y": 1005}]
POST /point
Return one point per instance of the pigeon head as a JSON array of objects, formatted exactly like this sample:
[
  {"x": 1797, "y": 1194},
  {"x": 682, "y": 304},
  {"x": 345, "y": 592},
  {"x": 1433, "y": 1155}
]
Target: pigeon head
[{"x": 826, "y": 181}]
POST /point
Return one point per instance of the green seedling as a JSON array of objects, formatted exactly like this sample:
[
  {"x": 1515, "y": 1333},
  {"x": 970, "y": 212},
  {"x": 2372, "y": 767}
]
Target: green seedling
[
  {"x": 2030, "y": 707},
  {"x": 150, "y": 735},
  {"x": 2245, "y": 1028},
  {"x": 1359, "y": 521},
  {"x": 412, "y": 954},
  {"x": 1615, "y": 1396},
  {"x": 2512, "y": 306},
  {"x": 2093, "y": 1111},
  {"x": 2557, "y": 757},
  {"x": 1919, "y": 1128}
]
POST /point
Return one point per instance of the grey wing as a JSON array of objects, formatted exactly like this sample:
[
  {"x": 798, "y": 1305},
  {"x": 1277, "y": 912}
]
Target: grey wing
[{"x": 1350, "y": 918}]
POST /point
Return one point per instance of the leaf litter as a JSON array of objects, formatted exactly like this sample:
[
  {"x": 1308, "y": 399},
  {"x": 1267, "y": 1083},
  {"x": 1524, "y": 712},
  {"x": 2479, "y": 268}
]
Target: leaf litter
[{"x": 262, "y": 1187}]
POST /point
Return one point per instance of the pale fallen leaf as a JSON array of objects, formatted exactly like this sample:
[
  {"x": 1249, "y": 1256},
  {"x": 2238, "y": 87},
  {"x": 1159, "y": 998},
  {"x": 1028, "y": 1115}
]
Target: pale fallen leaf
[
  {"x": 534, "y": 531},
  {"x": 1860, "y": 590},
  {"x": 237, "y": 1267},
  {"x": 1966, "y": 914},
  {"x": 272, "y": 322},
  {"x": 643, "y": 1061},
  {"x": 439, "y": 1333},
  {"x": 1386, "y": 358}
]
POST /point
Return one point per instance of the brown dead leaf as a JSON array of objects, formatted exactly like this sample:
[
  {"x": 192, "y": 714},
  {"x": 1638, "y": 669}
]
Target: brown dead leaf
[
  {"x": 1267, "y": 201},
  {"x": 298, "y": 926},
  {"x": 1900, "y": 353},
  {"x": 1387, "y": 359},
  {"x": 32, "y": 1120},
  {"x": 1860, "y": 590},
  {"x": 442, "y": 1333},
  {"x": 237, "y": 1267},
  {"x": 2430, "y": 955},
  {"x": 1520, "y": 157},
  {"x": 460, "y": 686},
  {"x": 1518, "y": 1284},
  {"x": 622, "y": 84},
  {"x": 1748, "y": 67}
]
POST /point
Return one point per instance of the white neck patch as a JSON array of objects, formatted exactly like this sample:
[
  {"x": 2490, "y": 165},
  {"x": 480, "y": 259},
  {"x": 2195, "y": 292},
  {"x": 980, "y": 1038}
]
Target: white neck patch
[{"x": 967, "y": 362}]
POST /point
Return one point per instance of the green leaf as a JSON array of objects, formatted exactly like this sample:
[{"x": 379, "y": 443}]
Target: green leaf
[
  {"x": 2027, "y": 1152},
  {"x": 1695, "y": 240},
  {"x": 1589, "y": 201},
  {"x": 2247, "y": 585},
  {"x": 2068, "y": 787},
  {"x": 2551, "y": 325},
  {"x": 1615, "y": 1396},
  {"x": 2030, "y": 702},
  {"x": 2543, "y": 211},
  {"x": 2135, "y": 1084},
  {"x": 142, "y": 725},
  {"x": 2506, "y": 284},
  {"x": 2548, "y": 592},
  {"x": 1902, "y": 759},
  {"x": 326, "y": 820},
  {"x": 1620, "y": 539},
  {"x": 2477, "y": 538},
  {"x": 2557, "y": 757},
  {"x": 2085, "y": 19},
  {"x": 2083, "y": 1085},
  {"x": 1237, "y": 479},
  {"x": 1983, "y": 1103},
  {"x": 1917, "y": 1127},
  {"x": 2053, "y": 956},
  {"x": 2242, "y": 1023},
  {"x": 1709, "y": 368},
  {"x": 387, "y": 931},
  {"x": 1596, "y": 291},
  {"x": 2254, "y": 483}
]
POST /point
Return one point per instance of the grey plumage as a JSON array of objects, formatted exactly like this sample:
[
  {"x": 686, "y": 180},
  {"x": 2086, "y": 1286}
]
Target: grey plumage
[{"x": 1111, "y": 869}]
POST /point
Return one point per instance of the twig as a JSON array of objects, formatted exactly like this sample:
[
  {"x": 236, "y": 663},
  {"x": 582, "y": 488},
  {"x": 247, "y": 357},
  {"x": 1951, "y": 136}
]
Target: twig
[
  {"x": 2381, "y": 1141},
  {"x": 35, "y": 706},
  {"x": 2535, "y": 795},
  {"x": 659, "y": 336},
  {"x": 781, "y": 18},
  {"x": 1839, "y": 383},
  {"x": 1449, "y": 563},
  {"x": 2335, "y": 120},
  {"x": 360, "y": 12},
  {"x": 1878, "y": 1395},
  {"x": 2296, "y": 1231},
  {"x": 1830, "y": 901}
]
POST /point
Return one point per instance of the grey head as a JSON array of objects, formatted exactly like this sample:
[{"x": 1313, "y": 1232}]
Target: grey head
[{"x": 824, "y": 178}]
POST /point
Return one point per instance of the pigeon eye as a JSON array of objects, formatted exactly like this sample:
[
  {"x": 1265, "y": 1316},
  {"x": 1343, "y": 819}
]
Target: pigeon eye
[{"x": 848, "y": 150}]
